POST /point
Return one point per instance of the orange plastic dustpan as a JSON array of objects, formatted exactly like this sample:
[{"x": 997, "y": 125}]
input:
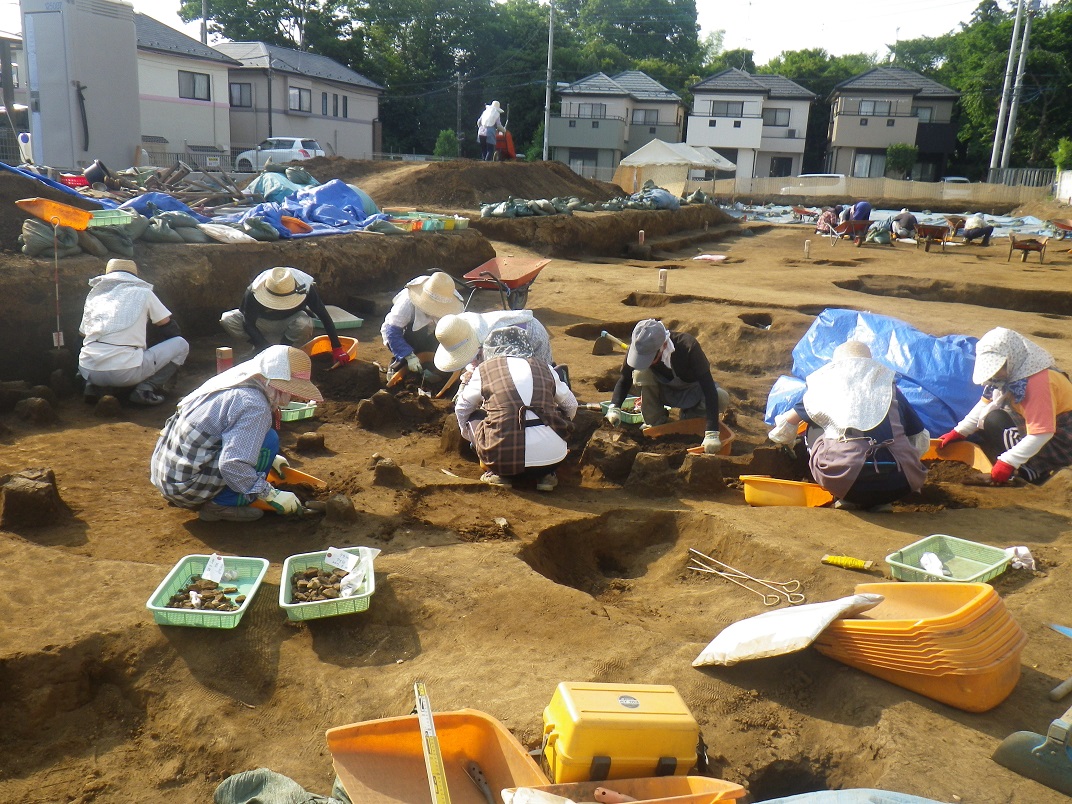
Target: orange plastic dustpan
[
  {"x": 56, "y": 213},
  {"x": 322, "y": 345},
  {"x": 964, "y": 452}
]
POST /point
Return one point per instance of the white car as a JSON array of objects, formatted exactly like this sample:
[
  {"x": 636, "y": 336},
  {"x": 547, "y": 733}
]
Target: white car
[{"x": 278, "y": 150}]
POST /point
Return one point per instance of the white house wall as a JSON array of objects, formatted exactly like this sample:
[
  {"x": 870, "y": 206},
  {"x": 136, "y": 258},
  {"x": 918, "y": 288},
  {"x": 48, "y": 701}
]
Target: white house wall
[{"x": 182, "y": 121}]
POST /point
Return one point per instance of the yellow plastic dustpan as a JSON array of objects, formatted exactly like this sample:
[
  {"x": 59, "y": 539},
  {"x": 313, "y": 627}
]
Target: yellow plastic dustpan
[{"x": 964, "y": 452}]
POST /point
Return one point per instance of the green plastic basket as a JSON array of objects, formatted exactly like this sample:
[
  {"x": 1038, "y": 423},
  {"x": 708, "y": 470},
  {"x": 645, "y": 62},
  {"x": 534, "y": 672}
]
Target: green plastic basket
[
  {"x": 297, "y": 411},
  {"x": 968, "y": 562},
  {"x": 627, "y": 418},
  {"x": 111, "y": 217},
  {"x": 324, "y": 608},
  {"x": 250, "y": 572}
]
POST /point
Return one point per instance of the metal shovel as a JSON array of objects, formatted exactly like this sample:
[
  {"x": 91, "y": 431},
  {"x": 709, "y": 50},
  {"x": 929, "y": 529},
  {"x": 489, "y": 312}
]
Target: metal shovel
[{"x": 1047, "y": 760}]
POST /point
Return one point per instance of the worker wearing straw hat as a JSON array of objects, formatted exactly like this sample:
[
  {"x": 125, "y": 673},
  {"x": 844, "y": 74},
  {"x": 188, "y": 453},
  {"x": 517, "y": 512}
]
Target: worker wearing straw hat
[
  {"x": 114, "y": 353},
  {"x": 215, "y": 452},
  {"x": 409, "y": 327},
  {"x": 276, "y": 309},
  {"x": 462, "y": 336}
]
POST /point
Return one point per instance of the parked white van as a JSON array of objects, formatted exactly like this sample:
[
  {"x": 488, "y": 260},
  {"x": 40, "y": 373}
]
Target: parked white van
[{"x": 817, "y": 184}]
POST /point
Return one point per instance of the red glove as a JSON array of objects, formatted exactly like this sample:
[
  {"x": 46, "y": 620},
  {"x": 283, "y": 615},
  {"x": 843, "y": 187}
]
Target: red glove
[
  {"x": 1002, "y": 472},
  {"x": 341, "y": 356},
  {"x": 949, "y": 438}
]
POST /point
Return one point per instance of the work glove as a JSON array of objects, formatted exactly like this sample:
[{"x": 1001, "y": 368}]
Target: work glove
[
  {"x": 340, "y": 356},
  {"x": 614, "y": 416},
  {"x": 711, "y": 442},
  {"x": 949, "y": 438},
  {"x": 1002, "y": 472},
  {"x": 784, "y": 431},
  {"x": 280, "y": 465},
  {"x": 283, "y": 502},
  {"x": 414, "y": 364}
]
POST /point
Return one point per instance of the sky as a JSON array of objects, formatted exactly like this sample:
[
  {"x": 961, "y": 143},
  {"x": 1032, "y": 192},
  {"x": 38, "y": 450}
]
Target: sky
[{"x": 767, "y": 27}]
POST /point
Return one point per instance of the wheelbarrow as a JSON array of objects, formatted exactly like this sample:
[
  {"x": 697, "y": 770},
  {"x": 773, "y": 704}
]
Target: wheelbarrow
[
  {"x": 511, "y": 277},
  {"x": 1063, "y": 227}
]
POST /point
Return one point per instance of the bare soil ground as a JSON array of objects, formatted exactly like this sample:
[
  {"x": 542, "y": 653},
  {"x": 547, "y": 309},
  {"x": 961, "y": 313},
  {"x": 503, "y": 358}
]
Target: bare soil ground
[{"x": 588, "y": 583}]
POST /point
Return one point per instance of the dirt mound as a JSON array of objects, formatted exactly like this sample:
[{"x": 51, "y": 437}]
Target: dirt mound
[{"x": 462, "y": 184}]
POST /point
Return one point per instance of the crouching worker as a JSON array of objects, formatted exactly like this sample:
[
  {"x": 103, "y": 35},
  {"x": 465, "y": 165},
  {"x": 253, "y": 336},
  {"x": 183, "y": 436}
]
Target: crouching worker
[
  {"x": 114, "y": 354},
  {"x": 461, "y": 338},
  {"x": 409, "y": 328},
  {"x": 1019, "y": 377},
  {"x": 671, "y": 370},
  {"x": 516, "y": 412},
  {"x": 864, "y": 439},
  {"x": 215, "y": 452},
  {"x": 276, "y": 309}
]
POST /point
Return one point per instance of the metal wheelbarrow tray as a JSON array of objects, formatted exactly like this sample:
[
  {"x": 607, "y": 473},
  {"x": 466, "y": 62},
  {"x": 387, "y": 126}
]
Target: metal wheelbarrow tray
[{"x": 511, "y": 276}]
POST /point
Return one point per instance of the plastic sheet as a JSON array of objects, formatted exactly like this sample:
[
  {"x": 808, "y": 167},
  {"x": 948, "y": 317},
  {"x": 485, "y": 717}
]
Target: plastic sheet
[{"x": 933, "y": 373}]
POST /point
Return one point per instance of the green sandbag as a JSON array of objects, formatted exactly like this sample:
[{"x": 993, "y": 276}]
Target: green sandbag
[
  {"x": 176, "y": 218},
  {"x": 383, "y": 227},
  {"x": 116, "y": 240},
  {"x": 92, "y": 244},
  {"x": 299, "y": 176},
  {"x": 136, "y": 228},
  {"x": 259, "y": 229},
  {"x": 158, "y": 231},
  {"x": 272, "y": 167},
  {"x": 37, "y": 238},
  {"x": 192, "y": 234}
]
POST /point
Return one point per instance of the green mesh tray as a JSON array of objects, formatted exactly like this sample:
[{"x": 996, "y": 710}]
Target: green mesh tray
[
  {"x": 969, "y": 562},
  {"x": 250, "y": 572}
]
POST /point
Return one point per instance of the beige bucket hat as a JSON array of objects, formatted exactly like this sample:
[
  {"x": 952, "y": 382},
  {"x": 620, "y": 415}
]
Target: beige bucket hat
[
  {"x": 436, "y": 296},
  {"x": 458, "y": 343},
  {"x": 278, "y": 289},
  {"x": 129, "y": 266}
]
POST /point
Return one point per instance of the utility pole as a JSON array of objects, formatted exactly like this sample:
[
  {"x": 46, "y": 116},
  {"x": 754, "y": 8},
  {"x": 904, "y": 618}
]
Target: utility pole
[
  {"x": 204, "y": 22},
  {"x": 1018, "y": 89},
  {"x": 1006, "y": 91},
  {"x": 458, "y": 124},
  {"x": 547, "y": 95}
]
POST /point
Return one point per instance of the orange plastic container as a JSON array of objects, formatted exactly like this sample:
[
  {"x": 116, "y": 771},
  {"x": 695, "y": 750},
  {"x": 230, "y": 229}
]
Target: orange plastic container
[
  {"x": 964, "y": 452},
  {"x": 982, "y": 654},
  {"x": 916, "y": 606},
  {"x": 938, "y": 665},
  {"x": 763, "y": 490},
  {"x": 969, "y": 629},
  {"x": 295, "y": 225},
  {"x": 662, "y": 789},
  {"x": 960, "y": 648},
  {"x": 321, "y": 344},
  {"x": 56, "y": 213},
  {"x": 382, "y": 761}
]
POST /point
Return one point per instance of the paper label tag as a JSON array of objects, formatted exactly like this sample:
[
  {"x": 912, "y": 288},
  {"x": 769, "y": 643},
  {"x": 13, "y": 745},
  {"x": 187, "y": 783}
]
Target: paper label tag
[
  {"x": 213, "y": 569},
  {"x": 341, "y": 559}
]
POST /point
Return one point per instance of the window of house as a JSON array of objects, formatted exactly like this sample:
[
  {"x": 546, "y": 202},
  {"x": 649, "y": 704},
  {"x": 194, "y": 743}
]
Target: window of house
[
  {"x": 591, "y": 110},
  {"x": 712, "y": 123},
  {"x": 874, "y": 108},
  {"x": 651, "y": 130},
  {"x": 324, "y": 104},
  {"x": 241, "y": 95},
  {"x": 736, "y": 123},
  {"x": 334, "y": 104},
  {"x": 889, "y": 122},
  {"x": 645, "y": 117},
  {"x": 301, "y": 100},
  {"x": 776, "y": 117},
  {"x": 595, "y": 124},
  {"x": 573, "y": 124},
  {"x": 924, "y": 113},
  {"x": 863, "y": 121},
  {"x": 781, "y": 166},
  {"x": 727, "y": 108},
  {"x": 869, "y": 166},
  {"x": 583, "y": 161},
  {"x": 345, "y": 106},
  {"x": 194, "y": 86}
]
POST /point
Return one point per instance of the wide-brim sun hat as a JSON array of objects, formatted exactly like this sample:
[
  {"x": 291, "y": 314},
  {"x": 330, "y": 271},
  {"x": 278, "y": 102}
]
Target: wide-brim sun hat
[
  {"x": 279, "y": 290},
  {"x": 297, "y": 383},
  {"x": 850, "y": 349},
  {"x": 1000, "y": 347},
  {"x": 458, "y": 343},
  {"x": 129, "y": 266},
  {"x": 647, "y": 339},
  {"x": 436, "y": 296}
]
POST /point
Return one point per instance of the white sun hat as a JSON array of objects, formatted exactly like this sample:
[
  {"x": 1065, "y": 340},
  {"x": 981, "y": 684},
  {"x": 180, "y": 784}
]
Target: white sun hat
[
  {"x": 279, "y": 290},
  {"x": 458, "y": 343},
  {"x": 851, "y": 391},
  {"x": 436, "y": 296},
  {"x": 1001, "y": 346}
]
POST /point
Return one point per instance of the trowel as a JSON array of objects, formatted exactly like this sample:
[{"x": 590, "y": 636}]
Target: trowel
[{"x": 1047, "y": 760}]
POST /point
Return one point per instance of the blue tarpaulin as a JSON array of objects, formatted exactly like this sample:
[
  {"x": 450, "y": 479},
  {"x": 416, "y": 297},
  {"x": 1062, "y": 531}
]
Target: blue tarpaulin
[
  {"x": 934, "y": 374},
  {"x": 106, "y": 203},
  {"x": 148, "y": 204},
  {"x": 331, "y": 208}
]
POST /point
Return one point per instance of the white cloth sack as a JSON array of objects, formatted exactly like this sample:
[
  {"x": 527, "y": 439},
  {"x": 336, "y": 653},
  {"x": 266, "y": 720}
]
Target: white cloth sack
[{"x": 774, "y": 633}]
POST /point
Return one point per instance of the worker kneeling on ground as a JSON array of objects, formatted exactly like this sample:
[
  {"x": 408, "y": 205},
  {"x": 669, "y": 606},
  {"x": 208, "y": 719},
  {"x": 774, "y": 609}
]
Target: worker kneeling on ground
[
  {"x": 276, "y": 310},
  {"x": 409, "y": 328},
  {"x": 215, "y": 452},
  {"x": 672, "y": 371},
  {"x": 114, "y": 350},
  {"x": 516, "y": 412},
  {"x": 1019, "y": 377},
  {"x": 461, "y": 339},
  {"x": 864, "y": 440}
]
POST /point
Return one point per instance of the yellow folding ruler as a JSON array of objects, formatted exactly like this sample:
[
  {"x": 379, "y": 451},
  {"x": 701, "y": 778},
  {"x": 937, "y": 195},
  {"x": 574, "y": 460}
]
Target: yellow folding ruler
[{"x": 433, "y": 755}]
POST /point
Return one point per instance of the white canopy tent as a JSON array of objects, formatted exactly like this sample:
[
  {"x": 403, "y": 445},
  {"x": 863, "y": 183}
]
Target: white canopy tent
[{"x": 670, "y": 165}]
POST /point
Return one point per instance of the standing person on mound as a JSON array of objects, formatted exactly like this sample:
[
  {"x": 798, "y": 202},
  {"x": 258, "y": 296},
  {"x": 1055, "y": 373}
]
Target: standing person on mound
[
  {"x": 486, "y": 126},
  {"x": 410, "y": 326},
  {"x": 119, "y": 307},
  {"x": 516, "y": 412},
  {"x": 864, "y": 439},
  {"x": 1024, "y": 419},
  {"x": 672, "y": 371},
  {"x": 461, "y": 338},
  {"x": 214, "y": 453},
  {"x": 276, "y": 309}
]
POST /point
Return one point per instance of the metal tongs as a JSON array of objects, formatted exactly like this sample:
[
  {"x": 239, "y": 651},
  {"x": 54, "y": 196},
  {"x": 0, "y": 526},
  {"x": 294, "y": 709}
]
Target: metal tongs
[{"x": 780, "y": 591}]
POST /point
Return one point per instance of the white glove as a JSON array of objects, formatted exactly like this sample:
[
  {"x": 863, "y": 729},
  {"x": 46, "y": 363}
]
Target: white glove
[
  {"x": 280, "y": 465},
  {"x": 711, "y": 442},
  {"x": 283, "y": 502},
  {"x": 414, "y": 364},
  {"x": 784, "y": 431},
  {"x": 614, "y": 416}
]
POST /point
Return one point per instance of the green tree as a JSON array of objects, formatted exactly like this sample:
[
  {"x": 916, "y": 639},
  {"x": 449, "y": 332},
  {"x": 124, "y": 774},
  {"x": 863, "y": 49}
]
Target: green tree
[
  {"x": 1062, "y": 156},
  {"x": 900, "y": 157},
  {"x": 446, "y": 143}
]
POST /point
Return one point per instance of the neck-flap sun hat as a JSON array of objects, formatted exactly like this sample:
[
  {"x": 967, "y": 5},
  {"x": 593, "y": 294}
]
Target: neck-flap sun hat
[
  {"x": 279, "y": 290},
  {"x": 129, "y": 266},
  {"x": 458, "y": 343},
  {"x": 297, "y": 381},
  {"x": 1000, "y": 347},
  {"x": 851, "y": 391},
  {"x": 647, "y": 339},
  {"x": 436, "y": 296}
]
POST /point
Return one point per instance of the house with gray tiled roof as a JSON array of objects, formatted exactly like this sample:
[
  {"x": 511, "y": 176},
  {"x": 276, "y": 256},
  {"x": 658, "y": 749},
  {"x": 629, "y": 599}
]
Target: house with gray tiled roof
[
  {"x": 758, "y": 122},
  {"x": 887, "y": 106},
  {"x": 283, "y": 92},
  {"x": 604, "y": 118}
]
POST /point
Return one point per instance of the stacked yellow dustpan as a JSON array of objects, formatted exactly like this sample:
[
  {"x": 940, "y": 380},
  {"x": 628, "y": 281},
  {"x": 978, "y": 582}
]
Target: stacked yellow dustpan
[{"x": 953, "y": 642}]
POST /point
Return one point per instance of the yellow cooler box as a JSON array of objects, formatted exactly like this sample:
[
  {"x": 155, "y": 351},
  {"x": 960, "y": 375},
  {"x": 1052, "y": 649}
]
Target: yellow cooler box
[{"x": 594, "y": 732}]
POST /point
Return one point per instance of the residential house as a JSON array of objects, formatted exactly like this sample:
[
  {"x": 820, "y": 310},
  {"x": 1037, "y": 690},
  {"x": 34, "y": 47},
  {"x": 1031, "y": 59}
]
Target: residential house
[
  {"x": 182, "y": 92},
  {"x": 758, "y": 122},
  {"x": 887, "y": 106},
  {"x": 605, "y": 118},
  {"x": 288, "y": 93}
]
